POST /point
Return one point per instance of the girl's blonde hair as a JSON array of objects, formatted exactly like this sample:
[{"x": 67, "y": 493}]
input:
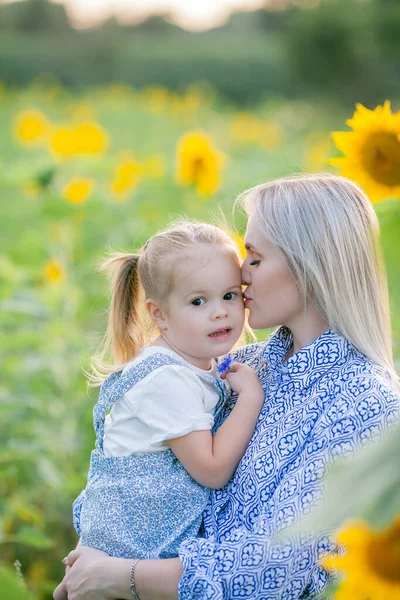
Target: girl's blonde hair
[
  {"x": 328, "y": 232},
  {"x": 150, "y": 273}
]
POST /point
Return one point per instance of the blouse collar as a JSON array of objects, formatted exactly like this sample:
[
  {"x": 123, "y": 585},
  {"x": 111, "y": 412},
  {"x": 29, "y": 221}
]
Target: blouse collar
[{"x": 309, "y": 363}]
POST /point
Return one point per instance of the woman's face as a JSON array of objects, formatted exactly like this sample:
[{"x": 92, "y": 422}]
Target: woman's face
[{"x": 271, "y": 296}]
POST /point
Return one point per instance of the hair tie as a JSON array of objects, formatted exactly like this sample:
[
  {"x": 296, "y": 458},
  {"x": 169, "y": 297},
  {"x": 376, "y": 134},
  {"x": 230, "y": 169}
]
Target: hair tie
[{"x": 133, "y": 262}]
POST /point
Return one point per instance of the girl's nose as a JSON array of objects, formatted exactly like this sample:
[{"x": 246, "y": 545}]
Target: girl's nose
[{"x": 220, "y": 311}]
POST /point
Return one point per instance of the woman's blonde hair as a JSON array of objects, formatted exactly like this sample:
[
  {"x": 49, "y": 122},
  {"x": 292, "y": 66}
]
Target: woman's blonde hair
[
  {"x": 328, "y": 232},
  {"x": 149, "y": 273}
]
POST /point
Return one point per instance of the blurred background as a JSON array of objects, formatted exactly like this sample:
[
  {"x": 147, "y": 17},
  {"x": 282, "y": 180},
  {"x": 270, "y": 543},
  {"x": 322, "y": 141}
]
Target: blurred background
[
  {"x": 116, "y": 117},
  {"x": 341, "y": 50}
]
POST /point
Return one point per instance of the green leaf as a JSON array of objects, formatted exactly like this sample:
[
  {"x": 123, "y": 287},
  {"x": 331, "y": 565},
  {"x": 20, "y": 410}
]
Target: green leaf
[
  {"x": 30, "y": 536},
  {"x": 45, "y": 177},
  {"x": 11, "y": 588}
]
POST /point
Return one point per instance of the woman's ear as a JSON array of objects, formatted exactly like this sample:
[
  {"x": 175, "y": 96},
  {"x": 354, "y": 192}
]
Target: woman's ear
[{"x": 157, "y": 314}]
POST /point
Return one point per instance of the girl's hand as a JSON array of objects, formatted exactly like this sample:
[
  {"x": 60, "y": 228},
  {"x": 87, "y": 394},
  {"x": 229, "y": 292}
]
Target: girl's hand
[
  {"x": 243, "y": 378},
  {"x": 91, "y": 574}
]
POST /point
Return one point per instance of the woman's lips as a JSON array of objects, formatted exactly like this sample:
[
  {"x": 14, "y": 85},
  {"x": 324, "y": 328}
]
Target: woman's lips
[{"x": 247, "y": 301}]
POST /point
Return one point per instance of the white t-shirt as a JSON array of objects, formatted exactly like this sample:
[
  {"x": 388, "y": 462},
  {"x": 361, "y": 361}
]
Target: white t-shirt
[{"x": 168, "y": 403}]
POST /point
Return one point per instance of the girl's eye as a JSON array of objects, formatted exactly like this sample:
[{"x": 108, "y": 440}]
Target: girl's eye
[
  {"x": 254, "y": 263},
  {"x": 230, "y": 296},
  {"x": 198, "y": 302}
]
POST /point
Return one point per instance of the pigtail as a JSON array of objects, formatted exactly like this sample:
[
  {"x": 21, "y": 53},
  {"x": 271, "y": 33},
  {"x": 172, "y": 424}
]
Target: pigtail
[{"x": 125, "y": 331}]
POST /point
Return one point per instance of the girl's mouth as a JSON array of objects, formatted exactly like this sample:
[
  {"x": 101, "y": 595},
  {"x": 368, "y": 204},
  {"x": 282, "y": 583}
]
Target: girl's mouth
[{"x": 220, "y": 334}]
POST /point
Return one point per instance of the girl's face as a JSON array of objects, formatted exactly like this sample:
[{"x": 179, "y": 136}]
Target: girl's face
[
  {"x": 204, "y": 314},
  {"x": 271, "y": 296}
]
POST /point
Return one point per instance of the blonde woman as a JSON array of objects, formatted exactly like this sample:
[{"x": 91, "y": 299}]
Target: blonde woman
[{"x": 313, "y": 269}]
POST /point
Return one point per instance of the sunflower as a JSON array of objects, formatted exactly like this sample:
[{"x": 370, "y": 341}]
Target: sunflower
[
  {"x": 128, "y": 175},
  {"x": 199, "y": 163},
  {"x": 371, "y": 563},
  {"x": 372, "y": 151},
  {"x": 31, "y": 127},
  {"x": 84, "y": 138},
  {"x": 91, "y": 138},
  {"x": 62, "y": 142},
  {"x": 129, "y": 170},
  {"x": 54, "y": 271},
  {"x": 78, "y": 190}
]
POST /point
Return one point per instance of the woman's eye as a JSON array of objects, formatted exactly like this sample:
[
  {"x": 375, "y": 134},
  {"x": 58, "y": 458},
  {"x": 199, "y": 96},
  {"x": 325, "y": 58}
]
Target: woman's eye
[
  {"x": 230, "y": 296},
  {"x": 254, "y": 263},
  {"x": 198, "y": 302}
]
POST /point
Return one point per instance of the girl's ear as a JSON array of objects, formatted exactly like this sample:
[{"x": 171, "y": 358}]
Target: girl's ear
[{"x": 157, "y": 314}]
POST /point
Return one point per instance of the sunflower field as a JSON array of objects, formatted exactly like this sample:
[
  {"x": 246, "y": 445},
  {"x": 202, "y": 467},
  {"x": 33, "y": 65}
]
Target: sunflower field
[{"x": 81, "y": 173}]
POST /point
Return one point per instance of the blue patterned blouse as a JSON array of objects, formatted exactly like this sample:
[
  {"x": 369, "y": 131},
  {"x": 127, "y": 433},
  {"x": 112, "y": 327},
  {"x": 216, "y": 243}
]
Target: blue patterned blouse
[{"x": 323, "y": 402}]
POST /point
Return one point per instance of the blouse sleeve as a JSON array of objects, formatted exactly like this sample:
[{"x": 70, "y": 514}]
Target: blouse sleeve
[
  {"x": 247, "y": 564},
  {"x": 173, "y": 404}
]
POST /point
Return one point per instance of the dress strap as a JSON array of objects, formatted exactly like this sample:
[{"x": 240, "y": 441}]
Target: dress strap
[{"x": 119, "y": 383}]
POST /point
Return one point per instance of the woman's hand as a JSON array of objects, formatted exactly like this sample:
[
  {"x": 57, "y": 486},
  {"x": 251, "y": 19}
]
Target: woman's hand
[{"x": 93, "y": 574}]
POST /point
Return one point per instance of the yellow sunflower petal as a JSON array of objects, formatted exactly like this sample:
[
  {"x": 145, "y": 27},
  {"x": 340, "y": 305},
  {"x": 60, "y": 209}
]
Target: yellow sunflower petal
[{"x": 362, "y": 116}]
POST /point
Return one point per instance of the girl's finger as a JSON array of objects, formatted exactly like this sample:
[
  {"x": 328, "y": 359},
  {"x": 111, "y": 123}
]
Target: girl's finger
[{"x": 234, "y": 368}]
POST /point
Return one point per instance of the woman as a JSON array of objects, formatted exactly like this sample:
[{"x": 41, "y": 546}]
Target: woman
[{"x": 313, "y": 268}]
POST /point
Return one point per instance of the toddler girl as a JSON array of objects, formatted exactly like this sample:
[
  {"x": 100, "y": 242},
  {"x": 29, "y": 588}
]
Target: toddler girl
[{"x": 155, "y": 456}]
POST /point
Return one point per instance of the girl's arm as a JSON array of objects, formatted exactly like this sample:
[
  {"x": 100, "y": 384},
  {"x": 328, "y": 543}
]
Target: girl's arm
[{"x": 212, "y": 460}]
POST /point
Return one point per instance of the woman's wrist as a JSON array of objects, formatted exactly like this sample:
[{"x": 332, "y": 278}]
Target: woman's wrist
[
  {"x": 157, "y": 579},
  {"x": 119, "y": 575}
]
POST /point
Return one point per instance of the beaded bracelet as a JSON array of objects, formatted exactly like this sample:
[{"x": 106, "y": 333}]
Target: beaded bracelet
[{"x": 132, "y": 579}]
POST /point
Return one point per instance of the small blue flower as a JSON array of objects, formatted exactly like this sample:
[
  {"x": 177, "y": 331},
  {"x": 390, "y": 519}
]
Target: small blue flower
[{"x": 225, "y": 365}]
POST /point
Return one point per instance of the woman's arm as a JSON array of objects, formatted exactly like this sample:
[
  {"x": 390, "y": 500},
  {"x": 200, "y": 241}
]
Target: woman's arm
[
  {"x": 212, "y": 460},
  {"x": 97, "y": 575}
]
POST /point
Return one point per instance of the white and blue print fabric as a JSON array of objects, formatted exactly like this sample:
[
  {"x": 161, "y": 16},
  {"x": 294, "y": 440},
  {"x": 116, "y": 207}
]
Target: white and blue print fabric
[
  {"x": 143, "y": 505},
  {"x": 324, "y": 402}
]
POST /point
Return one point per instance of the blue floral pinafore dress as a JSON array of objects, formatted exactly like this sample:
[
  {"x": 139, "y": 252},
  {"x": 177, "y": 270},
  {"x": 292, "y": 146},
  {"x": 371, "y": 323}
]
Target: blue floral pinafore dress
[{"x": 143, "y": 505}]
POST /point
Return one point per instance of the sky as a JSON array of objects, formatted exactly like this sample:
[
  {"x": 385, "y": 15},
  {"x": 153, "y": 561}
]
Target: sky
[{"x": 190, "y": 14}]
